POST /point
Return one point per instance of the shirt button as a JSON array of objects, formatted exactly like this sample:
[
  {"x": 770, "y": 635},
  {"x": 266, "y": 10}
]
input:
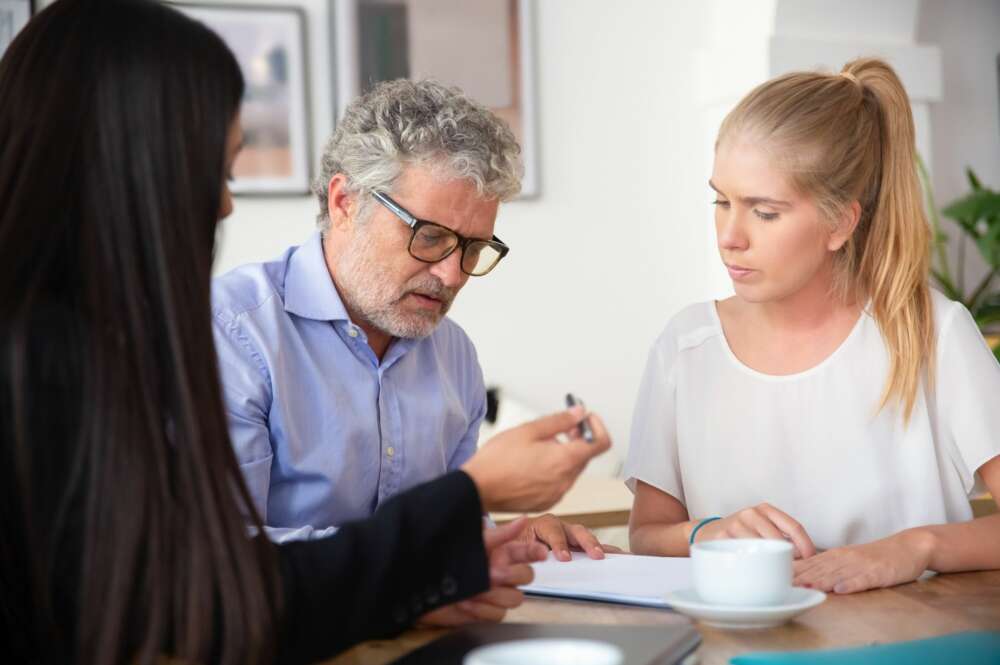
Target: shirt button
[
  {"x": 390, "y": 451},
  {"x": 449, "y": 585},
  {"x": 352, "y": 331}
]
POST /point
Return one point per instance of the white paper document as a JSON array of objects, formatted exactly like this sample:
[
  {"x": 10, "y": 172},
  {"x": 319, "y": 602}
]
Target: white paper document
[{"x": 618, "y": 578}]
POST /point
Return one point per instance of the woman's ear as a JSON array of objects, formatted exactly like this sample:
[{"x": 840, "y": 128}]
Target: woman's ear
[{"x": 846, "y": 225}]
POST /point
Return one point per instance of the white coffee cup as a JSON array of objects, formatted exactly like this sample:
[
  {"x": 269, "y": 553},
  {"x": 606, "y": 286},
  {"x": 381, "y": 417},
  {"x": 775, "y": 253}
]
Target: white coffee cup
[
  {"x": 742, "y": 571},
  {"x": 546, "y": 651}
]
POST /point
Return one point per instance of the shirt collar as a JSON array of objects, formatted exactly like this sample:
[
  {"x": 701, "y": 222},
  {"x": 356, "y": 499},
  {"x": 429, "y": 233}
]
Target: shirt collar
[{"x": 309, "y": 288}]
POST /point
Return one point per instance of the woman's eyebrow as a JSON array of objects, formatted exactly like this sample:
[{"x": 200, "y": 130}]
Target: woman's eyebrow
[{"x": 756, "y": 200}]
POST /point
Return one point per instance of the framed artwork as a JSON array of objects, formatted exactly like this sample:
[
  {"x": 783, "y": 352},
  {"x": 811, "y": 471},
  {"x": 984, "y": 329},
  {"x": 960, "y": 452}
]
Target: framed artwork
[
  {"x": 270, "y": 45},
  {"x": 14, "y": 15},
  {"x": 485, "y": 47}
]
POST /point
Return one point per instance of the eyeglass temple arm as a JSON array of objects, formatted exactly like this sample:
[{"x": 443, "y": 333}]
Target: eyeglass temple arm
[{"x": 409, "y": 219}]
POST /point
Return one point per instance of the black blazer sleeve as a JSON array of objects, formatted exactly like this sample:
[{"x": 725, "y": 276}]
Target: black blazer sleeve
[{"x": 420, "y": 550}]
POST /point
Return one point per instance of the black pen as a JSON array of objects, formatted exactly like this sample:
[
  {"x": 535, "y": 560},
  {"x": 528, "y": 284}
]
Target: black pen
[{"x": 584, "y": 426}]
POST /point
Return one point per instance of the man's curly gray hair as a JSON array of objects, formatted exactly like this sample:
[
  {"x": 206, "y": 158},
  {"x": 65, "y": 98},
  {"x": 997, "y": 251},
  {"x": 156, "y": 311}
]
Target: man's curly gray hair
[{"x": 406, "y": 122}]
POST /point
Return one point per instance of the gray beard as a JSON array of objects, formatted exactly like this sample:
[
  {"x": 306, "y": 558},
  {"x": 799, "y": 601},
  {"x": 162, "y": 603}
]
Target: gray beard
[{"x": 370, "y": 295}]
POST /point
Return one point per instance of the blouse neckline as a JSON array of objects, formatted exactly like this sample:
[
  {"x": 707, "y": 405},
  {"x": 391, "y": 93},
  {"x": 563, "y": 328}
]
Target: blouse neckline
[{"x": 815, "y": 369}]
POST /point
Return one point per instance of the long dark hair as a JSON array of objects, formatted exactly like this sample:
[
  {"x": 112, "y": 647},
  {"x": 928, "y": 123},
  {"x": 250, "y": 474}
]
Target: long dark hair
[{"x": 123, "y": 509}]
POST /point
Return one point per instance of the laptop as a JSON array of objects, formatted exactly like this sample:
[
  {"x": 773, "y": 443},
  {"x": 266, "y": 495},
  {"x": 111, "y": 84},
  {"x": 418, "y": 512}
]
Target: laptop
[{"x": 642, "y": 645}]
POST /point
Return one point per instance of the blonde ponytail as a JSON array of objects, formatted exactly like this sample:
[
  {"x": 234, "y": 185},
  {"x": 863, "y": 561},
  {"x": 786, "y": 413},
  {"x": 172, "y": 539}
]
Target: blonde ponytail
[
  {"x": 849, "y": 137},
  {"x": 895, "y": 259}
]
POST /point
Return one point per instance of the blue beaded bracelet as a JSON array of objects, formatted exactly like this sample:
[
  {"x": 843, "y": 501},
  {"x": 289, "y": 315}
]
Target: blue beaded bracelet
[{"x": 699, "y": 525}]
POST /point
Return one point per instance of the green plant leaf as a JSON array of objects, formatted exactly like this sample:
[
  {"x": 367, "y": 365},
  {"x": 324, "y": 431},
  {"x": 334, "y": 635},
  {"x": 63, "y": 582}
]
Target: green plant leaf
[
  {"x": 973, "y": 180},
  {"x": 946, "y": 285},
  {"x": 989, "y": 205},
  {"x": 988, "y": 312},
  {"x": 964, "y": 210},
  {"x": 989, "y": 246},
  {"x": 996, "y": 352},
  {"x": 972, "y": 207},
  {"x": 992, "y": 300},
  {"x": 939, "y": 261}
]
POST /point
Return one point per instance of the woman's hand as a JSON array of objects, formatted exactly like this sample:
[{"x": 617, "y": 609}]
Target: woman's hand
[
  {"x": 894, "y": 560},
  {"x": 510, "y": 558},
  {"x": 525, "y": 469},
  {"x": 761, "y": 521}
]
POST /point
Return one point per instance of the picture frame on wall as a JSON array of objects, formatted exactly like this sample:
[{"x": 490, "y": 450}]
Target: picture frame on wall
[
  {"x": 14, "y": 15},
  {"x": 485, "y": 47},
  {"x": 270, "y": 45}
]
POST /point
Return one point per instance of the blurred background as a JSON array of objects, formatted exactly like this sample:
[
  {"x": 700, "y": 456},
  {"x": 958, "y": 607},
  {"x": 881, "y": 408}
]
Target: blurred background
[{"x": 618, "y": 104}]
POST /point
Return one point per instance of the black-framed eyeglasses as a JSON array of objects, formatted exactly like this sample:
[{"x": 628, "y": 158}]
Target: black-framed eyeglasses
[{"x": 432, "y": 242}]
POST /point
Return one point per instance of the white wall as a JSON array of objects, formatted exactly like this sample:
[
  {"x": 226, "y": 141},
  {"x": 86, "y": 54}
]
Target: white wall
[
  {"x": 966, "y": 121},
  {"x": 614, "y": 245},
  {"x": 480, "y": 31},
  {"x": 629, "y": 97},
  {"x": 262, "y": 226}
]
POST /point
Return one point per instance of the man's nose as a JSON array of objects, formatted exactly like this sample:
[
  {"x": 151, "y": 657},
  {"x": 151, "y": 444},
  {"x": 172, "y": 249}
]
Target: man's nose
[{"x": 449, "y": 269}]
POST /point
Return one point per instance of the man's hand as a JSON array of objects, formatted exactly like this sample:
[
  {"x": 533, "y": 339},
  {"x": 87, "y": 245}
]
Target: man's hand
[
  {"x": 510, "y": 558},
  {"x": 525, "y": 469},
  {"x": 561, "y": 537}
]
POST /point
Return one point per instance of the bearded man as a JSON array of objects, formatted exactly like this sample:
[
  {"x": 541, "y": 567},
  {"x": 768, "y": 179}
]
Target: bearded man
[{"x": 344, "y": 381}]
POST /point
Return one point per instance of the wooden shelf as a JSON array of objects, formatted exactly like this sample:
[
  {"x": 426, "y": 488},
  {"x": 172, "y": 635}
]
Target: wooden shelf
[{"x": 592, "y": 501}]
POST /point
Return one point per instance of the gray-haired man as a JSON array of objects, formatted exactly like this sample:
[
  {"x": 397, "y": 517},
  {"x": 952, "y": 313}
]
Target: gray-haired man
[{"x": 344, "y": 382}]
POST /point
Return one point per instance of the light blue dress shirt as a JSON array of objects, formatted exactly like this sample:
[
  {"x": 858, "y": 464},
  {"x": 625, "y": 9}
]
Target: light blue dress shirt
[{"x": 323, "y": 431}]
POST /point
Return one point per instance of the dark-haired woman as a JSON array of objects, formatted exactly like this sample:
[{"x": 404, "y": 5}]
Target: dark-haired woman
[{"x": 121, "y": 501}]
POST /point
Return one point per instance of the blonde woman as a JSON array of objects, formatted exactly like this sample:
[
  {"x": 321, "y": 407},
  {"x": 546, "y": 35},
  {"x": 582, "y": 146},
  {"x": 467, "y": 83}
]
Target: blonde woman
[{"x": 836, "y": 400}]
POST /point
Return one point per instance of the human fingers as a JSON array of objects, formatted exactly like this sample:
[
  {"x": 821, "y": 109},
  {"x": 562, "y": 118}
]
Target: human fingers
[
  {"x": 734, "y": 526},
  {"x": 504, "y": 597},
  {"x": 821, "y": 571},
  {"x": 512, "y": 576},
  {"x": 504, "y": 533},
  {"x": 483, "y": 611},
  {"x": 548, "y": 427},
  {"x": 792, "y": 529},
  {"x": 581, "y": 537},
  {"x": 581, "y": 450},
  {"x": 549, "y": 530},
  {"x": 509, "y": 562},
  {"x": 521, "y": 551},
  {"x": 859, "y": 581},
  {"x": 762, "y": 524}
]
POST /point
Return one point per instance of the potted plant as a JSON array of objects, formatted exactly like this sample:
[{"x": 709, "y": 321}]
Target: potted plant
[{"x": 977, "y": 215}]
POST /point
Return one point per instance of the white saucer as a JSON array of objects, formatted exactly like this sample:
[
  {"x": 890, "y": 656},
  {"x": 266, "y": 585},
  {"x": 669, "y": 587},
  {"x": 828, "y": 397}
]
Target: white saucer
[
  {"x": 799, "y": 600},
  {"x": 550, "y": 651}
]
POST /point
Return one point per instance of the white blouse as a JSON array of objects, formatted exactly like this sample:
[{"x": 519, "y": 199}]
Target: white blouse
[{"x": 719, "y": 436}]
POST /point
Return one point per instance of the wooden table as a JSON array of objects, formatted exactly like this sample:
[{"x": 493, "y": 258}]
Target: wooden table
[
  {"x": 938, "y": 606},
  {"x": 593, "y": 501}
]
